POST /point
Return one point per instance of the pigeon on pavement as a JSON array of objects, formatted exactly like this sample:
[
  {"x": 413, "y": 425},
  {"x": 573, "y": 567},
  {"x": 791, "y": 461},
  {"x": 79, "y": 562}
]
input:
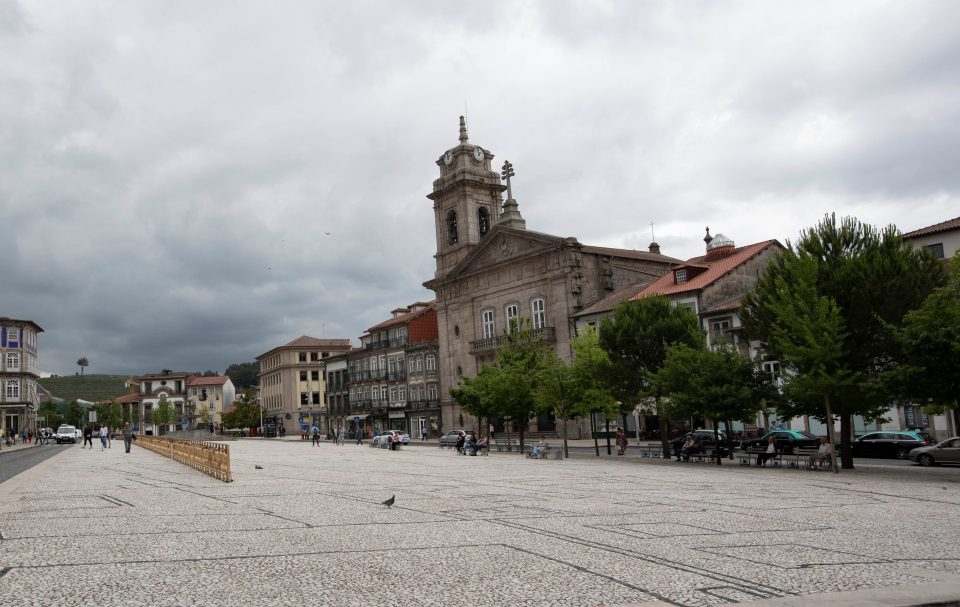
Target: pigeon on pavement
[
  {"x": 258, "y": 467},
  {"x": 390, "y": 501}
]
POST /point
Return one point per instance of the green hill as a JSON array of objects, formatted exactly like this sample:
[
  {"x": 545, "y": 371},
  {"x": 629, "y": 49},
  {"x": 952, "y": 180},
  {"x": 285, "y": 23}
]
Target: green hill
[{"x": 93, "y": 388}]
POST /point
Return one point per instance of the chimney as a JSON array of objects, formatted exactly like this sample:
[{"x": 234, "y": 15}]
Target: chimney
[{"x": 654, "y": 248}]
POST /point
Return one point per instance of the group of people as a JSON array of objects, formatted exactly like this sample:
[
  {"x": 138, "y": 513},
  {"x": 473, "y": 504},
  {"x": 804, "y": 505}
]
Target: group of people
[
  {"x": 106, "y": 437},
  {"x": 468, "y": 444}
]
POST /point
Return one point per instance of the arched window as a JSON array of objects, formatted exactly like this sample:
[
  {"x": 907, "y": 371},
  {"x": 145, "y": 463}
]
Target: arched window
[
  {"x": 483, "y": 220},
  {"x": 452, "y": 227},
  {"x": 537, "y": 314}
]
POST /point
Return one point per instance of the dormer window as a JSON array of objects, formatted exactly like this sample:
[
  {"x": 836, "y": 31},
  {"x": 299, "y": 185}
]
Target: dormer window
[
  {"x": 452, "y": 227},
  {"x": 680, "y": 276}
]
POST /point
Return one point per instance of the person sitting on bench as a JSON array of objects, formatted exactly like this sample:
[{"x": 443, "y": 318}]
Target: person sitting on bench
[
  {"x": 690, "y": 447},
  {"x": 770, "y": 453},
  {"x": 538, "y": 448},
  {"x": 822, "y": 456},
  {"x": 461, "y": 441},
  {"x": 480, "y": 444}
]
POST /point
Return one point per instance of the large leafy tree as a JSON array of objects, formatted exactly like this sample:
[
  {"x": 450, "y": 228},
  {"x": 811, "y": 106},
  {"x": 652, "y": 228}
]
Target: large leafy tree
[
  {"x": 109, "y": 414},
  {"x": 930, "y": 349},
  {"x": 246, "y": 411},
  {"x": 636, "y": 337},
  {"x": 575, "y": 388},
  {"x": 163, "y": 414},
  {"x": 75, "y": 414},
  {"x": 50, "y": 411},
  {"x": 717, "y": 384},
  {"x": 863, "y": 282},
  {"x": 506, "y": 388},
  {"x": 82, "y": 362}
]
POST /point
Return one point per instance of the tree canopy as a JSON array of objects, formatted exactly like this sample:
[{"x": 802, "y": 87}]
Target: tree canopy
[
  {"x": 858, "y": 284},
  {"x": 243, "y": 375},
  {"x": 636, "y": 337}
]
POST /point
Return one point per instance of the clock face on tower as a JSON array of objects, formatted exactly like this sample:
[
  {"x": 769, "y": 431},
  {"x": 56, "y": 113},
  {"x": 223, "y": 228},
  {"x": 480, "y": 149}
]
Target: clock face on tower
[
  {"x": 448, "y": 158},
  {"x": 478, "y": 153}
]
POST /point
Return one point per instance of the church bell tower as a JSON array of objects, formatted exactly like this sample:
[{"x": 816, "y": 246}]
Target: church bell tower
[{"x": 466, "y": 201}]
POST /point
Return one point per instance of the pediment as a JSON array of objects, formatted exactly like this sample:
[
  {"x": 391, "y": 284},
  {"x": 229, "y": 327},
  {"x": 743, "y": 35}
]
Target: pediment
[{"x": 504, "y": 245}]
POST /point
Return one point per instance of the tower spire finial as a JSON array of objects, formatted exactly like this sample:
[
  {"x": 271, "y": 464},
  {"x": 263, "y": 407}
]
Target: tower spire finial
[
  {"x": 708, "y": 238},
  {"x": 463, "y": 129}
]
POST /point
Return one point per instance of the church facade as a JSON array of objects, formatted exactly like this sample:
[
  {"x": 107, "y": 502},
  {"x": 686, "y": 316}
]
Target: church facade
[{"x": 491, "y": 271}]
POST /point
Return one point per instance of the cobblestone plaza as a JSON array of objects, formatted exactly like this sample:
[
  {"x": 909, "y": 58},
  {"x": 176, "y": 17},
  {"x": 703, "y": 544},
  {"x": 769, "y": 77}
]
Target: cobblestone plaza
[{"x": 92, "y": 527}]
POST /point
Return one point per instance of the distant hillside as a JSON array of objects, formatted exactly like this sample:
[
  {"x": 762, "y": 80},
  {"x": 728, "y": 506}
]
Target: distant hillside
[{"x": 87, "y": 387}]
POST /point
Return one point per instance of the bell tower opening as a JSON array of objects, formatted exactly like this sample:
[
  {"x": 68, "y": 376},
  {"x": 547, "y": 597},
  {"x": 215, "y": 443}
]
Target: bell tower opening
[
  {"x": 483, "y": 221},
  {"x": 452, "y": 234}
]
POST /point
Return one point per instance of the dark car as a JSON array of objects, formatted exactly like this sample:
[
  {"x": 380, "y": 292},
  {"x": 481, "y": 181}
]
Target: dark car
[
  {"x": 785, "y": 440},
  {"x": 890, "y": 444},
  {"x": 704, "y": 438}
]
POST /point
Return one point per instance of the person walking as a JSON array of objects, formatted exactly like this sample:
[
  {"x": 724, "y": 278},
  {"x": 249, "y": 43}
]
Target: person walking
[
  {"x": 423, "y": 433},
  {"x": 342, "y": 435},
  {"x": 103, "y": 438},
  {"x": 87, "y": 436},
  {"x": 315, "y": 436},
  {"x": 128, "y": 436},
  {"x": 621, "y": 441},
  {"x": 359, "y": 435}
]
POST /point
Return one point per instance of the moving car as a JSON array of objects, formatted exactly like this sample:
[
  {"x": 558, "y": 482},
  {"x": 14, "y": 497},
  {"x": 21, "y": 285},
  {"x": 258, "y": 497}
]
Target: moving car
[
  {"x": 947, "y": 452},
  {"x": 890, "y": 444},
  {"x": 66, "y": 434},
  {"x": 785, "y": 440}
]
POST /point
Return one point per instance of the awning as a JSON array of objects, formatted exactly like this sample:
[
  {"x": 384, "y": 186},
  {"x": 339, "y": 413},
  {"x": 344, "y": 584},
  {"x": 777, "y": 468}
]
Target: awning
[
  {"x": 354, "y": 417},
  {"x": 397, "y": 415}
]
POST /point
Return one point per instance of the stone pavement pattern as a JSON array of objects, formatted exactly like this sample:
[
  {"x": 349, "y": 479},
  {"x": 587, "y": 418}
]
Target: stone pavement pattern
[{"x": 92, "y": 527}]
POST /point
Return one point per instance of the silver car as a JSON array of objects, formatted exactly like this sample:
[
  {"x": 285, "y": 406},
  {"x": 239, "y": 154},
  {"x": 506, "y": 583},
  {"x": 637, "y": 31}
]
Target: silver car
[{"x": 947, "y": 452}]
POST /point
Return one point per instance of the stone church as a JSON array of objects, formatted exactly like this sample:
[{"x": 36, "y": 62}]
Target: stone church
[{"x": 491, "y": 270}]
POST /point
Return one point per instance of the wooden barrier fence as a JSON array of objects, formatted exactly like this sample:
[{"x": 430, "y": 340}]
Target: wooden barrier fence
[{"x": 212, "y": 459}]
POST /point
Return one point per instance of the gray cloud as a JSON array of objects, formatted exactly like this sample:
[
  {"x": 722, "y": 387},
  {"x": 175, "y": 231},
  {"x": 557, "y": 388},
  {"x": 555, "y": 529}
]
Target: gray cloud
[{"x": 169, "y": 171}]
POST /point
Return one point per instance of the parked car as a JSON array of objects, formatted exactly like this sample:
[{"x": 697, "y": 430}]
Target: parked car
[
  {"x": 947, "y": 452},
  {"x": 66, "y": 434},
  {"x": 450, "y": 438},
  {"x": 785, "y": 440},
  {"x": 704, "y": 438},
  {"x": 78, "y": 433},
  {"x": 890, "y": 444}
]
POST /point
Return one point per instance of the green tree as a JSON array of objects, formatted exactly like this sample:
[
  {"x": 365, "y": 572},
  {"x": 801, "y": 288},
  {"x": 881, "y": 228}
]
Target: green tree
[
  {"x": 506, "y": 388},
  {"x": 930, "y": 350},
  {"x": 163, "y": 414},
  {"x": 204, "y": 414},
  {"x": 717, "y": 384},
  {"x": 246, "y": 412},
  {"x": 243, "y": 375},
  {"x": 75, "y": 414},
  {"x": 636, "y": 337},
  {"x": 50, "y": 411},
  {"x": 860, "y": 283},
  {"x": 82, "y": 362},
  {"x": 108, "y": 414}
]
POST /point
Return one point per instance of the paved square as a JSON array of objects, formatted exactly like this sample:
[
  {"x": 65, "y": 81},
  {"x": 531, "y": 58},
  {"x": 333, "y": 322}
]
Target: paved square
[{"x": 98, "y": 527}]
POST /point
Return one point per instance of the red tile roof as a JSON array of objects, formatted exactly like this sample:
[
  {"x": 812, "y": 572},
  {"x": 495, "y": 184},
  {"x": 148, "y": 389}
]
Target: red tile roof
[
  {"x": 133, "y": 397},
  {"x": 611, "y": 301},
  {"x": 208, "y": 380},
  {"x": 716, "y": 269},
  {"x": 630, "y": 253},
  {"x": 403, "y": 318},
  {"x": 943, "y": 226}
]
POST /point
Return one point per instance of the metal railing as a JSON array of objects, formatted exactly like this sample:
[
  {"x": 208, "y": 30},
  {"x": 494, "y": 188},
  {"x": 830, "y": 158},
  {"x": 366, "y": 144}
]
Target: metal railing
[{"x": 547, "y": 335}]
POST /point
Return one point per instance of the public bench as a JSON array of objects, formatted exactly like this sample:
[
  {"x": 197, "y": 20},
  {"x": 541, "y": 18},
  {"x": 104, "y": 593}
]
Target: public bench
[
  {"x": 748, "y": 457},
  {"x": 809, "y": 459},
  {"x": 502, "y": 444},
  {"x": 650, "y": 450},
  {"x": 703, "y": 456}
]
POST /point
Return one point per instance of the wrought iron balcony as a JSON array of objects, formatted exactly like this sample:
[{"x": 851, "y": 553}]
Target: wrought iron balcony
[{"x": 546, "y": 335}]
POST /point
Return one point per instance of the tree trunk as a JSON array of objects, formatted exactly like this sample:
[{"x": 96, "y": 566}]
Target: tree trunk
[
  {"x": 607, "y": 426},
  {"x": 664, "y": 429},
  {"x": 846, "y": 453},
  {"x": 593, "y": 431},
  {"x": 716, "y": 442},
  {"x": 506, "y": 429},
  {"x": 830, "y": 438},
  {"x": 566, "y": 450},
  {"x": 726, "y": 426},
  {"x": 956, "y": 419}
]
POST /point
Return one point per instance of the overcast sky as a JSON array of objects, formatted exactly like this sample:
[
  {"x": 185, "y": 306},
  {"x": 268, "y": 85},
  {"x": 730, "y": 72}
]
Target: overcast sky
[{"x": 169, "y": 171}]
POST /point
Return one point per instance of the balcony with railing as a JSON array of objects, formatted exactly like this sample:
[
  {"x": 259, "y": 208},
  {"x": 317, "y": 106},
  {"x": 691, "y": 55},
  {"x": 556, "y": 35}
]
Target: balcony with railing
[
  {"x": 423, "y": 404},
  {"x": 546, "y": 335},
  {"x": 399, "y": 375}
]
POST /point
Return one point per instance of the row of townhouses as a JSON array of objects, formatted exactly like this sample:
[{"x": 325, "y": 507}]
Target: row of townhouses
[{"x": 490, "y": 271}]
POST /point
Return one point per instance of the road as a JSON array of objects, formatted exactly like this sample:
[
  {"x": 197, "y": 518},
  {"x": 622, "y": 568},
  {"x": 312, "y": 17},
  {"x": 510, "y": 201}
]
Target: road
[{"x": 15, "y": 462}]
